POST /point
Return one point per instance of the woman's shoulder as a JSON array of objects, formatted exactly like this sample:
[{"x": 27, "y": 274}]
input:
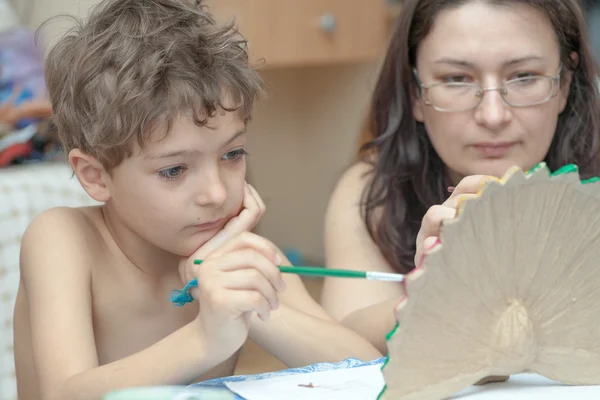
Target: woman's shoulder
[
  {"x": 346, "y": 201},
  {"x": 354, "y": 180}
]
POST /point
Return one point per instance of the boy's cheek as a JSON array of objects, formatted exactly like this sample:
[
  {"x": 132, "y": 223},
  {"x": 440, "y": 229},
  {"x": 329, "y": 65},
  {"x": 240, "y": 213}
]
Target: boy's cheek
[{"x": 240, "y": 208}]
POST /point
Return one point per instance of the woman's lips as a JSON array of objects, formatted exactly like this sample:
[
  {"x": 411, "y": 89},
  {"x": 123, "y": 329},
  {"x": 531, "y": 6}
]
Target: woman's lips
[{"x": 494, "y": 150}]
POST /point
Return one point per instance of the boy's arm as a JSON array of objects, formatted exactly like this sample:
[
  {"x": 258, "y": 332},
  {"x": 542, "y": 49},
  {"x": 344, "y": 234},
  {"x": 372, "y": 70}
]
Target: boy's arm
[
  {"x": 55, "y": 271},
  {"x": 301, "y": 332}
]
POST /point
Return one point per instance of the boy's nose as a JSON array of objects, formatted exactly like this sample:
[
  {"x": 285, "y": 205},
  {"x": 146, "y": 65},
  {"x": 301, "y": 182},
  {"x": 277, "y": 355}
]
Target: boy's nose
[{"x": 212, "y": 192}]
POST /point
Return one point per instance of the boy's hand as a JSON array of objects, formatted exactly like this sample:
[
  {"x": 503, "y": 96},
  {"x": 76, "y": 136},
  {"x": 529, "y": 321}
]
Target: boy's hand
[
  {"x": 239, "y": 278},
  {"x": 253, "y": 208},
  {"x": 428, "y": 235}
]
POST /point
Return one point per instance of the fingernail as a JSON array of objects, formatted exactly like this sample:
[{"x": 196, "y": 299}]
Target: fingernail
[
  {"x": 451, "y": 188},
  {"x": 400, "y": 305},
  {"x": 397, "y": 310},
  {"x": 277, "y": 259},
  {"x": 437, "y": 241}
]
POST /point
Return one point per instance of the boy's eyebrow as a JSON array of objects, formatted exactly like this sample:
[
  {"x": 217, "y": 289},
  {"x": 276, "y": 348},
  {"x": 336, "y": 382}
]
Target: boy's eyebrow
[
  {"x": 235, "y": 136},
  {"x": 178, "y": 153},
  {"x": 465, "y": 63},
  {"x": 170, "y": 154}
]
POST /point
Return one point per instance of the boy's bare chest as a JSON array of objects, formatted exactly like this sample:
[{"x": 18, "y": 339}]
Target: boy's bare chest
[{"x": 129, "y": 320}]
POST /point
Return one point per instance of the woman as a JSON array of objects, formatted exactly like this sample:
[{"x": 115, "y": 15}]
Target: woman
[{"x": 467, "y": 90}]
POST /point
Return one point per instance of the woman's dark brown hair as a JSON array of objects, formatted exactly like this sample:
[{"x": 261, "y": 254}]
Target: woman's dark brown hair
[{"x": 408, "y": 176}]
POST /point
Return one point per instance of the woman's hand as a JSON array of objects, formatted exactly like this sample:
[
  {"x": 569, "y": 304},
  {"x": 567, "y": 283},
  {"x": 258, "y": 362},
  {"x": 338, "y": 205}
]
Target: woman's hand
[{"x": 428, "y": 236}]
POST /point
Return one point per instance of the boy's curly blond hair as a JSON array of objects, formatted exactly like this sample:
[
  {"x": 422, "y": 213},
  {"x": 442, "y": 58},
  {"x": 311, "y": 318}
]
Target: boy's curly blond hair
[{"x": 136, "y": 64}]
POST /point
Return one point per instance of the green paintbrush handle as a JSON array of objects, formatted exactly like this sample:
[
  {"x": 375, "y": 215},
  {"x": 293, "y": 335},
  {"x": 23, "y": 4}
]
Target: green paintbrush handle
[
  {"x": 336, "y": 273},
  {"x": 323, "y": 272}
]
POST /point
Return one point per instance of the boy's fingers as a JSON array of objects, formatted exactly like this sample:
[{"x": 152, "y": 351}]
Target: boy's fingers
[
  {"x": 252, "y": 279},
  {"x": 242, "y": 222},
  {"x": 261, "y": 204},
  {"x": 214, "y": 243},
  {"x": 245, "y": 220},
  {"x": 249, "y": 241},
  {"x": 240, "y": 301},
  {"x": 250, "y": 300},
  {"x": 250, "y": 258},
  {"x": 245, "y": 259},
  {"x": 252, "y": 209}
]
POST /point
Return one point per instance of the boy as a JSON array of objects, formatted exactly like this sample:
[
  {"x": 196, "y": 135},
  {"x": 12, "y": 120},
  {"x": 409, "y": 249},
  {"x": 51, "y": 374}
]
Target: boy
[{"x": 151, "y": 100}]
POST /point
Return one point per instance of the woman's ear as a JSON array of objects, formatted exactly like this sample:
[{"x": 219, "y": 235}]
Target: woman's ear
[
  {"x": 91, "y": 174},
  {"x": 417, "y": 103},
  {"x": 565, "y": 83}
]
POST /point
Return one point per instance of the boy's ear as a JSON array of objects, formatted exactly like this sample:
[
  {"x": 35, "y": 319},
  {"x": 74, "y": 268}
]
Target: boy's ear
[{"x": 91, "y": 174}]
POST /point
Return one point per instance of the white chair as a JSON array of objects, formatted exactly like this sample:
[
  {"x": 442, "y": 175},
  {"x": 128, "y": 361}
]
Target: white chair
[{"x": 25, "y": 191}]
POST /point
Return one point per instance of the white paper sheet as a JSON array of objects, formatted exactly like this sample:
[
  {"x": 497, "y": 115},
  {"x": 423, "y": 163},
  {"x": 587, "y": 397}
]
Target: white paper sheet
[
  {"x": 360, "y": 383},
  {"x": 365, "y": 383}
]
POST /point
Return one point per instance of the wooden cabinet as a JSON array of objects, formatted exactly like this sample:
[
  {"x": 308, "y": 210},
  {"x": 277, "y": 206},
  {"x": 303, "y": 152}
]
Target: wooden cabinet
[{"x": 309, "y": 32}]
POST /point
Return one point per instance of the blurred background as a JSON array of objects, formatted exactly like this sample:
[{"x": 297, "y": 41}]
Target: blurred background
[{"x": 321, "y": 58}]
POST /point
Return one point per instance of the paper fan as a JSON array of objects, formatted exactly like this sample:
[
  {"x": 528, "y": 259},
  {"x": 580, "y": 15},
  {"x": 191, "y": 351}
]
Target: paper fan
[{"x": 514, "y": 287}]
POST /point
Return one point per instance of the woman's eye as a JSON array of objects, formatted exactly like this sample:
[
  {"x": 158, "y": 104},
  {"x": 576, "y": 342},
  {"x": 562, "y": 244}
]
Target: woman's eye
[
  {"x": 525, "y": 76},
  {"x": 456, "y": 79},
  {"x": 171, "y": 173}
]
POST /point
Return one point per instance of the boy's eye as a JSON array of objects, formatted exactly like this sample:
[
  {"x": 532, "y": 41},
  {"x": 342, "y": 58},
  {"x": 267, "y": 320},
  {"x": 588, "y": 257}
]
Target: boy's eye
[
  {"x": 171, "y": 173},
  {"x": 234, "y": 155}
]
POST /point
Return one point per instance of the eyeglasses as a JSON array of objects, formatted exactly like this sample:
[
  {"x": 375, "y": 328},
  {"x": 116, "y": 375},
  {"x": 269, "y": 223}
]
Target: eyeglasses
[{"x": 459, "y": 96}]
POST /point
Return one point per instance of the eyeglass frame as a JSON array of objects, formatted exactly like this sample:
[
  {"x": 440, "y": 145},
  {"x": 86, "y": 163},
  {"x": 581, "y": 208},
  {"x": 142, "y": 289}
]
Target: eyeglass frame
[{"x": 555, "y": 79}]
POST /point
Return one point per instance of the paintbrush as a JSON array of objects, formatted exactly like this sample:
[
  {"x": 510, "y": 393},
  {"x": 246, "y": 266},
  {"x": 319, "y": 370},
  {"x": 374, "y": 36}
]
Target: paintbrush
[
  {"x": 321, "y": 272},
  {"x": 180, "y": 297}
]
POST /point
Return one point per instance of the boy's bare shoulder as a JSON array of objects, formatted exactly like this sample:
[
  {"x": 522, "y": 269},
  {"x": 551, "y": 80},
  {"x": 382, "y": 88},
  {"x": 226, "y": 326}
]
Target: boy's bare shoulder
[
  {"x": 62, "y": 235},
  {"x": 60, "y": 223}
]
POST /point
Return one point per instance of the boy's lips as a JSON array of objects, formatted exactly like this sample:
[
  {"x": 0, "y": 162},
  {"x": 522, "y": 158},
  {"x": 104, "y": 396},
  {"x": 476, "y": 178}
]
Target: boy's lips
[{"x": 207, "y": 226}]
